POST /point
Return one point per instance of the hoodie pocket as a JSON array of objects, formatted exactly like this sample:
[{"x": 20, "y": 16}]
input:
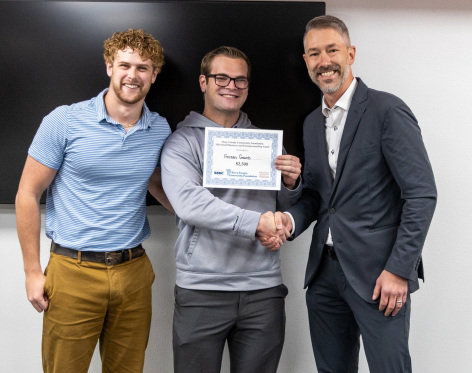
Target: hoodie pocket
[{"x": 193, "y": 242}]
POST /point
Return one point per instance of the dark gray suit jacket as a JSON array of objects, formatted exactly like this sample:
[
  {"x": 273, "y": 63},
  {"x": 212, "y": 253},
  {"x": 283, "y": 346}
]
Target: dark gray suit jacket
[{"x": 381, "y": 203}]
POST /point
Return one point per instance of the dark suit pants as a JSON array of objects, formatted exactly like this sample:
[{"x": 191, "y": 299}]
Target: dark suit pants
[
  {"x": 253, "y": 323},
  {"x": 338, "y": 316}
]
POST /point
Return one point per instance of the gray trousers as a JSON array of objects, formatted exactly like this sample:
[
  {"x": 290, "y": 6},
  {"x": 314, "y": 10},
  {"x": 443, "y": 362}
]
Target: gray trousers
[
  {"x": 338, "y": 316},
  {"x": 252, "y": 322}
]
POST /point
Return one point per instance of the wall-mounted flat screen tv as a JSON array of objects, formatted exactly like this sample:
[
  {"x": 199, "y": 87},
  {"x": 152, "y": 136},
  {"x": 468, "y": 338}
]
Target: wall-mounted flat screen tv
[{"x": 52, "y": 55}]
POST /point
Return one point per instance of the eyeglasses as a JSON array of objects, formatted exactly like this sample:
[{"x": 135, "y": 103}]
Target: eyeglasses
[{"x": 222, "y": 80}]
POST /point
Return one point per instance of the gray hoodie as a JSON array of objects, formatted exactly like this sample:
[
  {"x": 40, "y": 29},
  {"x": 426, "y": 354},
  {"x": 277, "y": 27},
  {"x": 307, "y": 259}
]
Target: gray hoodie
[{"x": 216, "y": 248}]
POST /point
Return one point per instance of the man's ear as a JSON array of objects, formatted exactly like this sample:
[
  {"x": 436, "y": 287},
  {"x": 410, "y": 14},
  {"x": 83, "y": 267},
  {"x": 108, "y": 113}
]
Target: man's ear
[
  {"x": 109, "y": 68},
  {"x": 154, "y": 76},
  {"x": 352, "y": 54},
  {"x": 305, "y": 58},
  {"x": 203, "y": 83}
]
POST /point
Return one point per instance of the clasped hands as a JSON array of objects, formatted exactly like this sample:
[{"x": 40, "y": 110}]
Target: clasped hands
[{"x": 273, "y": 229}]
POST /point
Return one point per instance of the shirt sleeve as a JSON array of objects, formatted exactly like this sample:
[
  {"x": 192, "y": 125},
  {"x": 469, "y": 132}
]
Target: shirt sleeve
[{"x": 49, "y": 143}]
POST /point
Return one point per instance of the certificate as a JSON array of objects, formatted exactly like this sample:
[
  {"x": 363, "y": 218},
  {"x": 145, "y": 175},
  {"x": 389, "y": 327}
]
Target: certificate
[{"x": 241, "y": 158}]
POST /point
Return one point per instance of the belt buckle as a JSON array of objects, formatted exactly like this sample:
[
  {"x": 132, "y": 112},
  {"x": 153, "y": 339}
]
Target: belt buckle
[{"x": 113, "y": 257}]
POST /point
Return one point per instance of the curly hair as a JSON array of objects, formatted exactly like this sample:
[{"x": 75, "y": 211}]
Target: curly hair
[
  {"x": 225, "y": 51},
  {"x": 138, "y": 40}
]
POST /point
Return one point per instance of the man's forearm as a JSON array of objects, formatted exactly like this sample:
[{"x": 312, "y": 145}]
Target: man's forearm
[
  {"x": 411, "y": 234},
  {"x": 159, "y": 194},
  {"x": 28, "y": 223},
  {"x": 304, "y": 211},
  {"x": 34, "y": 181},
  {"x": 157, "y": 191}
]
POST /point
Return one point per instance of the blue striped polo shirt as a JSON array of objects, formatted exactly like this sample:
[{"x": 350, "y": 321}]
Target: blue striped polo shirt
[{"x": 97, "y": 201}]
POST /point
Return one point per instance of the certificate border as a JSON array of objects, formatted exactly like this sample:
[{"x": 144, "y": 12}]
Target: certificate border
[{"x": 273, "y": 183}]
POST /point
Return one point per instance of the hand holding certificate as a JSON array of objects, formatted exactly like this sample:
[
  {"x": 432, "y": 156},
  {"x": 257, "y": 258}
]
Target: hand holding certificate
[{"x": 241, "y": 158}]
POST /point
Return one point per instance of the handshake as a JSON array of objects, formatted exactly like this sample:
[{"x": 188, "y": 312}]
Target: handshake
[{"x": 273, "y": 229}]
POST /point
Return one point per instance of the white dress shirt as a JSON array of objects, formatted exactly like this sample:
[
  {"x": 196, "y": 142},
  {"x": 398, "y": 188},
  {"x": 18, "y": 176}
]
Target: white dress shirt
[{"x": 335, "y": 120}]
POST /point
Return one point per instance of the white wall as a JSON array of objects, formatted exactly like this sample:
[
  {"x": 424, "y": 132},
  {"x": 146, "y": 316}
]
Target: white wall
[{"x": 419, "y": 50}]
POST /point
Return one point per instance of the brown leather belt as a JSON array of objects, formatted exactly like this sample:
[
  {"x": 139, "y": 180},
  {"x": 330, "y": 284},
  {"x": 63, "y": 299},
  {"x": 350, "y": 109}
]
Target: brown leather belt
[{"x": 107, "y": 257}]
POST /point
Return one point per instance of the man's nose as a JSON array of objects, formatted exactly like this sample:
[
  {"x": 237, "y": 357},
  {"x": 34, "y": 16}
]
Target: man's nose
[
  {"x": 232, "y": 84},
  {"x": 132, "y": 72},
  {"x": 324, "y": 59}
]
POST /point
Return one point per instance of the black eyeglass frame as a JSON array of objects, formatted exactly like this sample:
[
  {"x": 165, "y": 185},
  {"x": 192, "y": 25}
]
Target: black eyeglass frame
[{"x": 230, "y": 79}]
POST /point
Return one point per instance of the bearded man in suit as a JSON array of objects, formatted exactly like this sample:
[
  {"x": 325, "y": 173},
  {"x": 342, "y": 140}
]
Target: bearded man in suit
[{"x": 369, "y": 186}]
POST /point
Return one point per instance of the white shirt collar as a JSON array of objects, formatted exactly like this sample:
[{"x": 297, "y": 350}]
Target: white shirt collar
[{"x": 344, "y": 101}]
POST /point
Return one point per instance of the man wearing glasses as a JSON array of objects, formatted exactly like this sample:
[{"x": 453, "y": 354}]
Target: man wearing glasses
[{"x": 228, "y": 287}]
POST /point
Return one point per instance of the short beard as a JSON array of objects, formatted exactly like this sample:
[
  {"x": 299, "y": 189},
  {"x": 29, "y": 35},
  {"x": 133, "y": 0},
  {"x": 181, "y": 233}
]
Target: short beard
[
  {"x": 130, "y": 101},
  {"x": 329, "y": 88}
]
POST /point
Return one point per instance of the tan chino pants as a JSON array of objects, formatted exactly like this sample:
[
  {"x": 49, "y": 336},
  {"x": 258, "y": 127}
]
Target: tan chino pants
[{"x": 90, "y": 302}]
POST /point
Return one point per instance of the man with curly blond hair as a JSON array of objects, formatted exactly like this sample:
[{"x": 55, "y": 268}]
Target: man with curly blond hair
[{"x": 96, "y": 159}]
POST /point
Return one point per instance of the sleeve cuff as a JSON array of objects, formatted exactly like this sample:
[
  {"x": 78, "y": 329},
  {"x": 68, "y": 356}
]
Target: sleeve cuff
[
  {"x": 293, "y": 222},
  {"x": 248, "y": 225}
]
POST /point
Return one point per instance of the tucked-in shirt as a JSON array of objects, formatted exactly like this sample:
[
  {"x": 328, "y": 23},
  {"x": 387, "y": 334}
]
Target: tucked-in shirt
[
  {"x": 96, "y": 201},
  {"x": 335, "y": 120}
]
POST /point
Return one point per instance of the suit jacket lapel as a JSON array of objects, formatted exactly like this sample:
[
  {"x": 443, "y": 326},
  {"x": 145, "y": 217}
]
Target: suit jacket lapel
[{"x": 356, "y": 110}]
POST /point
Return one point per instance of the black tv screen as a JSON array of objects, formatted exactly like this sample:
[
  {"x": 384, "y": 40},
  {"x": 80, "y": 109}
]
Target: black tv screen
[{"x": 52, "y": 55}]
